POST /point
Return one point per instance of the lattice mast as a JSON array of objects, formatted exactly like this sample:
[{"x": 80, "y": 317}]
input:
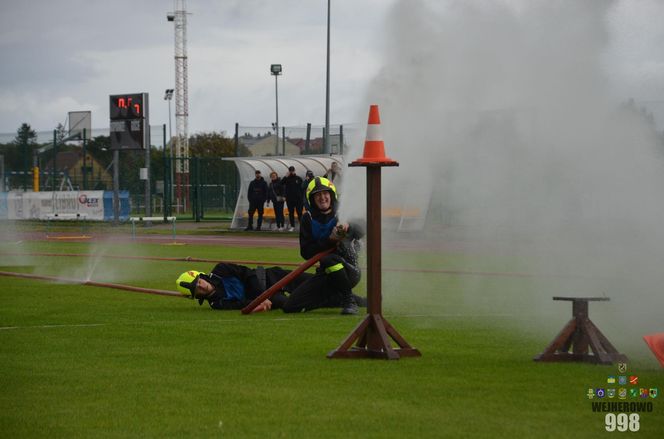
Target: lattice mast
[{"x": 179, "y": 19}]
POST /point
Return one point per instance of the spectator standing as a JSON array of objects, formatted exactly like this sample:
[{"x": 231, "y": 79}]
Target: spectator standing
[
  {"x": 293, "y": 188},
  {"x": 307, "y": 178},
  {"x": 277, "y": 195},
  {"x": 334, "y": 174},
  {"x": 257, "y": 195}
]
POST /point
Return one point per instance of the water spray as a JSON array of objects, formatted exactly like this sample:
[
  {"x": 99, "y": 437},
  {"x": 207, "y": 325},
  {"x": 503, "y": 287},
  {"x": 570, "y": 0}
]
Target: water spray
[{"x": 91, "y": 283}]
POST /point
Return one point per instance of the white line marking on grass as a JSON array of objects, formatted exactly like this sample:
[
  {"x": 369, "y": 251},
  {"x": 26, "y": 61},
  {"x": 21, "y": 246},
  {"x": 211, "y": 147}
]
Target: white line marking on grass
[
  {"x": 82, "y": 325},
  {"x": 449, "y": 315},
  {"x": 253, "y": 321}
]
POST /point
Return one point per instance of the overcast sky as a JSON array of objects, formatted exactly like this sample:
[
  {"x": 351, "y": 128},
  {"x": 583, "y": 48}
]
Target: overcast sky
[{"x": 70, "y": 55}]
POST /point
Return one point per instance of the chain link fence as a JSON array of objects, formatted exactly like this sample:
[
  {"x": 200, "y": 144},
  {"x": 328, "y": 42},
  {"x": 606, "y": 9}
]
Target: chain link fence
[
  {"x": 295, "y": 140},
  {"x": 208, "y": 191}
]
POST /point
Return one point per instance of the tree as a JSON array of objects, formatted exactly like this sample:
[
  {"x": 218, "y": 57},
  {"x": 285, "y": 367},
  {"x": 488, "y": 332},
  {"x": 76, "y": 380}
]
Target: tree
[
  {"x": 60, "y": 133},
  {"x": 25, "y": 135},
  {"x": 100, "y": 148},
  {"x": 214, "y": 145}
]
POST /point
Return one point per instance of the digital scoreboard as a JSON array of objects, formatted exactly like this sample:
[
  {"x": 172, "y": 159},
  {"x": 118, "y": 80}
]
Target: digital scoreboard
[{"x": 129, "y": 121}]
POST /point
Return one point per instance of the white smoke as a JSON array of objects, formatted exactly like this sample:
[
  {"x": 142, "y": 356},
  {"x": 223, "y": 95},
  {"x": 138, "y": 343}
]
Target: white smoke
[{"x": 510, "y": 136}]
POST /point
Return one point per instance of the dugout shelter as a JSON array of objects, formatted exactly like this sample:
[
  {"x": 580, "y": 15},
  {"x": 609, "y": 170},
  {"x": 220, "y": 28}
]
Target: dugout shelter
[{"x": 247, "y": 167}]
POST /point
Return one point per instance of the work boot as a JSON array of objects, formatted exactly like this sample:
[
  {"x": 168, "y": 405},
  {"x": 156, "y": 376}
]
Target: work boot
[
  {"x": 360, "y": 301},
  {"x": 248, "y": 228},
  {"x": 348, "y": 306}
]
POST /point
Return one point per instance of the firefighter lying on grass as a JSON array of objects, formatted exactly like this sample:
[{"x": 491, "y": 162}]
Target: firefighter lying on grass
[{"x": 232, "y": 286}]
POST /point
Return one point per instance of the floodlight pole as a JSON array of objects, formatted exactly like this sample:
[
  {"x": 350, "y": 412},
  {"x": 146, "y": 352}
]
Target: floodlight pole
[
  {"x": 326, "y": 140},
  {"x": 276, "y": 126},
  {"x": 275, "y": 70},
  {"x": 168, "y": 96}
]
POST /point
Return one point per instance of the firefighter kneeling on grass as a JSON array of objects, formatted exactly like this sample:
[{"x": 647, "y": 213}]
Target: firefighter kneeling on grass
[{"x": 339, "y": 271}]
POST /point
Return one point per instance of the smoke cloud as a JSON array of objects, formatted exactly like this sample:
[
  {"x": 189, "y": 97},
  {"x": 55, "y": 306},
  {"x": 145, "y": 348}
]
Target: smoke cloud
[{"x": 513, "y": 146}]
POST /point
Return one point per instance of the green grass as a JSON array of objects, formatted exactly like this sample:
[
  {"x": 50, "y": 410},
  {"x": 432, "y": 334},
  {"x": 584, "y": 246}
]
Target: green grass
[{"x": 80, "y": 361}]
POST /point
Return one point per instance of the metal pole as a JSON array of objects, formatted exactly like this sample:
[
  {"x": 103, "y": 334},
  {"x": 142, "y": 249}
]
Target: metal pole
[
  {"x": 237, "y": 138},
  {"x": 170, "y": 131},
  {"x": 172, "y": 151},
  {"x": 167, "y": 177},
  {"x": 283, "y": 140},
  {"x": 308, "y": 139},
  {"x": 148, "y": 201},
  {"x": 25, "y": 165},
  {"x": 326, "y": 148},
  {"x": 199, "y": 191},
  {"x": 341, "y": 139},
  {"x": 2, "y": 173},
  {"x": 276, "y": 125},
  {"x": 236, "y": 173},
  {"x": 116, "y": 187},
  {"x": 85, "y": 175},
  {"x": 54, "y": 166}
]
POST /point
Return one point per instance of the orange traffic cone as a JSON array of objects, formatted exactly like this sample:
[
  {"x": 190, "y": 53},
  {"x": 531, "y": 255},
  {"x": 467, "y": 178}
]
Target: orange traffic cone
[
  {"x": 374, "y": 147},
  {"x": 656, "y": 344}
]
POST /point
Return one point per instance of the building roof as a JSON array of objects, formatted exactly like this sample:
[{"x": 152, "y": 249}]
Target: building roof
[{"x": 266, "y": 147}]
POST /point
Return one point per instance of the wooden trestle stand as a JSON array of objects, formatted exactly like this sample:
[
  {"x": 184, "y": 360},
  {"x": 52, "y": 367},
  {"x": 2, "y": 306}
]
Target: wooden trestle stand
[
  {"x": 374, "y": 332},
  {"x": 581, "y": 336}
]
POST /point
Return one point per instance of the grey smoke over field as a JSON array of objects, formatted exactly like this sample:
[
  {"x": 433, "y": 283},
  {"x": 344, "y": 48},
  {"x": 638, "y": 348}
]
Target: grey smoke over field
[{"x": 510, "y": 138}]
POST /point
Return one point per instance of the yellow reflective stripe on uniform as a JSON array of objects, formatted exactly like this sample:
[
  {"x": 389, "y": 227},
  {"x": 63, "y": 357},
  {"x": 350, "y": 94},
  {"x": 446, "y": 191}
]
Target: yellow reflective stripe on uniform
[{"x": 333, "y": 268}]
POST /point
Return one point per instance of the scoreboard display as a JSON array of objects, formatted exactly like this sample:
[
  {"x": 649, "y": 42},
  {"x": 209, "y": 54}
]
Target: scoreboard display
[{"x": 129, "y": 122}]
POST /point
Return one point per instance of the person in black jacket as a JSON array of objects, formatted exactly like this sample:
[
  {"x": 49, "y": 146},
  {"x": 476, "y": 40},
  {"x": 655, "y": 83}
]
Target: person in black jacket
[
  {"x": 257, "y": 195},
  {"x": 232, "y": 286},
  {"x": 307, "y": 179},
  {"x": 293, "y": 186},
  {"x": 338, "y": 272},
  {"x": 277, "y": 195}
]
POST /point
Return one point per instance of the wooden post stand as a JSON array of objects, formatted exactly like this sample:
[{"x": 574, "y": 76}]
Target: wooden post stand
[
  {"x": 374, "y": 332},
  {"x": 581, "y": 336}
]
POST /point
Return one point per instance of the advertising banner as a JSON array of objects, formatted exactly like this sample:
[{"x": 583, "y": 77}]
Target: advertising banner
[{"x": 38, "y": 205}]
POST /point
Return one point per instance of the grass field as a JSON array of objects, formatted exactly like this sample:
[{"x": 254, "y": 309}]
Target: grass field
[{"x": 80, "y": 361}]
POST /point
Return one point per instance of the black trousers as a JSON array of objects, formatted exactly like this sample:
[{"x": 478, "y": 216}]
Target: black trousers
[
  {"x": 326, "y": 288},
  {"x": 253, "y": 207},
  {"x": 274, "y": 275},
  {"x": 294, "y": 206},
  {"x": 279, "y": 213}
]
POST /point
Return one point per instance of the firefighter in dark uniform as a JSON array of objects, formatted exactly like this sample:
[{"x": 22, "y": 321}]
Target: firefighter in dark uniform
[
  {"x": 339, "y": 272},
  {"x": 232, "y": 286}
]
